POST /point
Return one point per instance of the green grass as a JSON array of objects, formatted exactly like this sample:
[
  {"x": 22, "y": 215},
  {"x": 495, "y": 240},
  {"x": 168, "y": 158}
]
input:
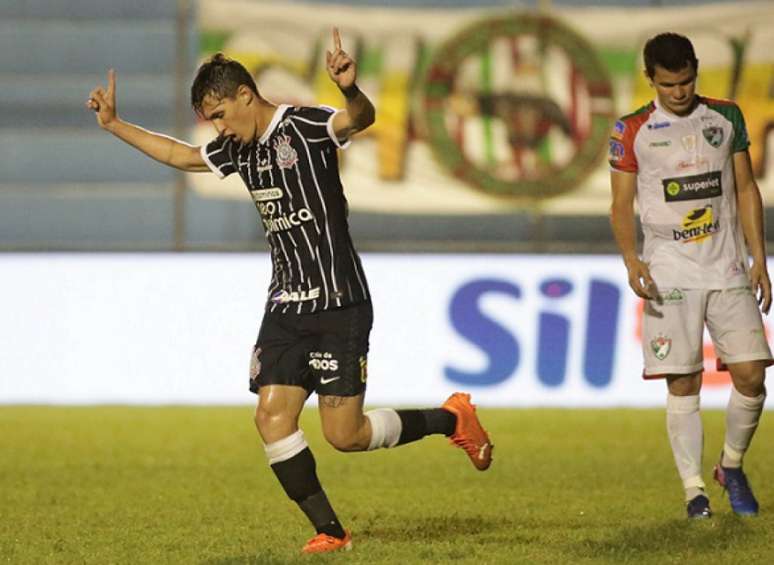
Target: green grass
[{"x": 191, "y": 485}]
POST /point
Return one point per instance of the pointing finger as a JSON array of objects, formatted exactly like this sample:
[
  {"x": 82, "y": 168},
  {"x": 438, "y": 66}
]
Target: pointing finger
[
  {"x": 336, "y": 38},
  {"x": 111, "y": 82}
]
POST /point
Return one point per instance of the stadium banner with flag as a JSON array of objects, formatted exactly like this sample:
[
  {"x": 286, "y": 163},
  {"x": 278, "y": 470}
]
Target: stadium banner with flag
[
  {"x": 486, "y": 111},
  {"x": 514, "y": 330}
]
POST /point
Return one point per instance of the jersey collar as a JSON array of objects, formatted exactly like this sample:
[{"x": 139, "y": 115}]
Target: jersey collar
[
  {"x": 664, "y": 112},
  {"x": 275, "y": 120}
]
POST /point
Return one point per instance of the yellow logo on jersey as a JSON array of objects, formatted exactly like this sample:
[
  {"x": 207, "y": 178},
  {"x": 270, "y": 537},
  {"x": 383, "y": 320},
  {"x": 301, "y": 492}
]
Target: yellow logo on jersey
[
  {"x": 363, "y": 368},
  {"x": 698, "y": 225}
]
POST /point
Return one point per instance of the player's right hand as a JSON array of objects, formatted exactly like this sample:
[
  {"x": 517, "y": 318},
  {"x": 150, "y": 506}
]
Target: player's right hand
[
  {"x": 103, "y": 101},
  {"x": 640, "y": 280}
]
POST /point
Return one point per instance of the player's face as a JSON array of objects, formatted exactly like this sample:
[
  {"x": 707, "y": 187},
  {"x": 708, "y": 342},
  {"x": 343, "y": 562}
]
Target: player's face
[
  {"x": 230, "y": 116},
  {"x": 675, "y": 90}
]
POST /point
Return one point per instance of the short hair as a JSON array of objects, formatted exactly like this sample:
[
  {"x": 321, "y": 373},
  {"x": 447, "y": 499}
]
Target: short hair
[
  {"x": 219, "y": 77},
  {"x": 671, "y": 51}
]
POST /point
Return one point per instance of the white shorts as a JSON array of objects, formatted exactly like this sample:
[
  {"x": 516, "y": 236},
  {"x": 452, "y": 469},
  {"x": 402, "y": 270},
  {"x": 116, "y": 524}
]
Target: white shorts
[{"x": 673, "y": 330}]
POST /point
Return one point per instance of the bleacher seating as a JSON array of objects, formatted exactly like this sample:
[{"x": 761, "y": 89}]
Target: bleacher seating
[{"x": 55, "y": 163}]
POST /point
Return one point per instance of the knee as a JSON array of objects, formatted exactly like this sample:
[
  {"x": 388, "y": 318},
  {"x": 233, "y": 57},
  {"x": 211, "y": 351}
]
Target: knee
[
  {"x": 684, "y": 385},
  {"x": 343, "y": 440},
  {"x": 272, "y": 424},
  {"x": 749, "y": 378}
]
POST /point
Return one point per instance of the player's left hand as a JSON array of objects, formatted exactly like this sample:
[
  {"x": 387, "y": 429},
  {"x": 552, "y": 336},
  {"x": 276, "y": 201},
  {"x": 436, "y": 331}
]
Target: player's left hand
[
  {"x": 761, "y": 286},
  {"x": 341, "y": 67}
]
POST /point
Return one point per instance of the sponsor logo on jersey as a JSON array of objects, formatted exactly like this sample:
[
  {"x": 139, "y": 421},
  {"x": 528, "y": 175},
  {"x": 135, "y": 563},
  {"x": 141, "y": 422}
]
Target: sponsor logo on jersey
[
  {"x": 689, "y": 142},
  {"x": 659, "y": 125},
  {"x": 661, "y": 346},
  {"x": 618, "y": 130},
  {"x": 694, "y": 187},
  {"x": 286, "y": 155},
  {"x": 713, "y": 135},
  {"x": 363, "y": 362},
  {"x": 698, "y": 225},
  {"x": 665, "y": 143},
  {"x": 285, "y": 296},
  {"x": 323, "y": 361},
  {"x": 670, "y": 297},
  {"x": 617, "y": 151},
  {"x": 266, "y": 194},
  {"x": 692, "y": 164},
  {"x": 287, "y": 221}
]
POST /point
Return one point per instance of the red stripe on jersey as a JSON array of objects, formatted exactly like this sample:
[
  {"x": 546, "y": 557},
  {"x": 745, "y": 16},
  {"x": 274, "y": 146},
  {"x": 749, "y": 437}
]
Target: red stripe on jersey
[{"x": 621, "y": 155}]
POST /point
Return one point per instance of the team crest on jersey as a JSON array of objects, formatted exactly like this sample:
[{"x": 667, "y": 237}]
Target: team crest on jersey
[
  {"x": 661, "y": 347},
  {"x": 255, "y": 363},
  {"x": 286, "y": 155},
  {"x": 713, "y": 135}
]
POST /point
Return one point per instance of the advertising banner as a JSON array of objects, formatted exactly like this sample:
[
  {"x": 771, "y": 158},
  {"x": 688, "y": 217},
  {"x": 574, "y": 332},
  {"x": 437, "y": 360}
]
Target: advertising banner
[
  {"x": 489, "y": 111},
  {"x": 178, "y": 329}
]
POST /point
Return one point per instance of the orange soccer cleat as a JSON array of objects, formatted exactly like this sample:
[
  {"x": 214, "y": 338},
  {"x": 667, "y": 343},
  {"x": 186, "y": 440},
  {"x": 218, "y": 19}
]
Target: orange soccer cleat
[
  {"x": 468, "y": 433},
  {"x": 323, "y": 543}
]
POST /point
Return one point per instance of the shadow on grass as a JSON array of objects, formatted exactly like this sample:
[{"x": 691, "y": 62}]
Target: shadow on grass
[
  {"x": 477, "y": 529},
  {"x": 447, "y": 528},
  {"x": 258, "y": 558},
  {"x": 672, "y": 538}
]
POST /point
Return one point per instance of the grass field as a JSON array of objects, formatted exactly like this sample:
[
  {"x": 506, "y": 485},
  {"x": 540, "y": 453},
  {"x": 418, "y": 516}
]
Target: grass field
[{"x": 190, "y": 485}]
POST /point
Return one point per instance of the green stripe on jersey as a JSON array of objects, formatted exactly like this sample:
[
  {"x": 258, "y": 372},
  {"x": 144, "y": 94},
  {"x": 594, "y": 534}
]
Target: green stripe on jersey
[
  {"x": 733, "y": 114},
  {"x": 646, "y": 108}
]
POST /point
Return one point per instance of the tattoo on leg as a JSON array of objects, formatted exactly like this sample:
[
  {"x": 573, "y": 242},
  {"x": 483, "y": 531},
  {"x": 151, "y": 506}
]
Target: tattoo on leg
[{"x": 333, "y": 401}]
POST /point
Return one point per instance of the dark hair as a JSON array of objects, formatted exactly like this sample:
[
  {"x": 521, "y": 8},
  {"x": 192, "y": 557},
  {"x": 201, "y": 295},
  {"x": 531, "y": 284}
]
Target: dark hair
[
  {"x": 671, "y": 51},
  {"x": 219, "y": 77}
]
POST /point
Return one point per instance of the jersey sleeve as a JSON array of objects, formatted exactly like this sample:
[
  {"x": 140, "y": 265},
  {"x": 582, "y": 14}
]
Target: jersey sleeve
[
  {"x": 741, "y": 140},
  {"x": 621, "y": 148},
  {"x": 316, "y": 124},
  {"x": 217, "y": 154}
]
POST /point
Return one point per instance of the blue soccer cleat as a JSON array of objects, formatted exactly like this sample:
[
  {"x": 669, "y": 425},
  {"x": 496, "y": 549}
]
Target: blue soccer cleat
[
  {"x": 698, "y": 507},
  {"x": 740, "y": 494}
]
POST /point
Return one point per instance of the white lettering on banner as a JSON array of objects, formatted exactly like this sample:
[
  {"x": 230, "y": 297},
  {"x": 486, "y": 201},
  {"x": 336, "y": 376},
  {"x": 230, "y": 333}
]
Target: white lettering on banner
[{"x": 514, "y": 330}]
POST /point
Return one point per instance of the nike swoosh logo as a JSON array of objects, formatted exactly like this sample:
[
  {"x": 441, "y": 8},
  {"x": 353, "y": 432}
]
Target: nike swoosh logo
[{"x": 324, "y": 381}]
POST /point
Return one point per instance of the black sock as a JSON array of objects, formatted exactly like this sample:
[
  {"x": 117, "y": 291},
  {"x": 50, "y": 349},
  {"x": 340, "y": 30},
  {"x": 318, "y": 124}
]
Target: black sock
[
  {"x": 298, "y": 476},
  {"x": 417, "y": 424},
  {"x": 321, "y": 514}
]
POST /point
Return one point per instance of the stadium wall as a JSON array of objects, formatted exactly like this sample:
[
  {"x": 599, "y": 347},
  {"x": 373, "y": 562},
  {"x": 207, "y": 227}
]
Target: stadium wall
[{"x": 515, "y": 330}]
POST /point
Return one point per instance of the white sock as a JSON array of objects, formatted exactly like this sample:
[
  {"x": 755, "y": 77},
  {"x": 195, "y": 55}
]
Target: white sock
[
  {"x": 686, "y": 436},
  {"x": 742, "y": 417},
  {"x": 285, "y": 448},
  {"x": 385, "y": 428}
]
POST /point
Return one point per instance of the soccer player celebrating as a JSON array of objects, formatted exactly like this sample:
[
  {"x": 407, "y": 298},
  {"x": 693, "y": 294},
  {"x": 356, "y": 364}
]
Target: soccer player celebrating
[
  {"x": 314, "y": 334},
  {"x": 685, "y": 159}
]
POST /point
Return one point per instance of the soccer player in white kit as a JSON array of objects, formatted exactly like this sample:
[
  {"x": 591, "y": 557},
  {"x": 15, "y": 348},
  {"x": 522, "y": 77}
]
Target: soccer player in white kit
[{"x": 684, "y": 158}]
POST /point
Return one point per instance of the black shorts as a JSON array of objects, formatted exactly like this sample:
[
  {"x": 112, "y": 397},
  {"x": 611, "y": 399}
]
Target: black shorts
[{"x": 324, "y": 352}]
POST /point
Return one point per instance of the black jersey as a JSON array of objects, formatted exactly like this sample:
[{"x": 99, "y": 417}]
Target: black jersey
[{"x": 292, "y": 173}]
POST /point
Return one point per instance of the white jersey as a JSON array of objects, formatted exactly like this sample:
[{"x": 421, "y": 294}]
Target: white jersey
[{"x": 686, "y": 193}]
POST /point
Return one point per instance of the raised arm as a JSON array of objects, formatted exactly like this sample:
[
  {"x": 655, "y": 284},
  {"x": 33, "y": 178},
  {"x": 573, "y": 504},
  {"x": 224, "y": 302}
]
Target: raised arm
[
  {"x": 750, "y": 206},
  {"x": 162, "y": 148},
  {"x": 359, "y": 112},
  {"x": 624, "y": 187}
]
